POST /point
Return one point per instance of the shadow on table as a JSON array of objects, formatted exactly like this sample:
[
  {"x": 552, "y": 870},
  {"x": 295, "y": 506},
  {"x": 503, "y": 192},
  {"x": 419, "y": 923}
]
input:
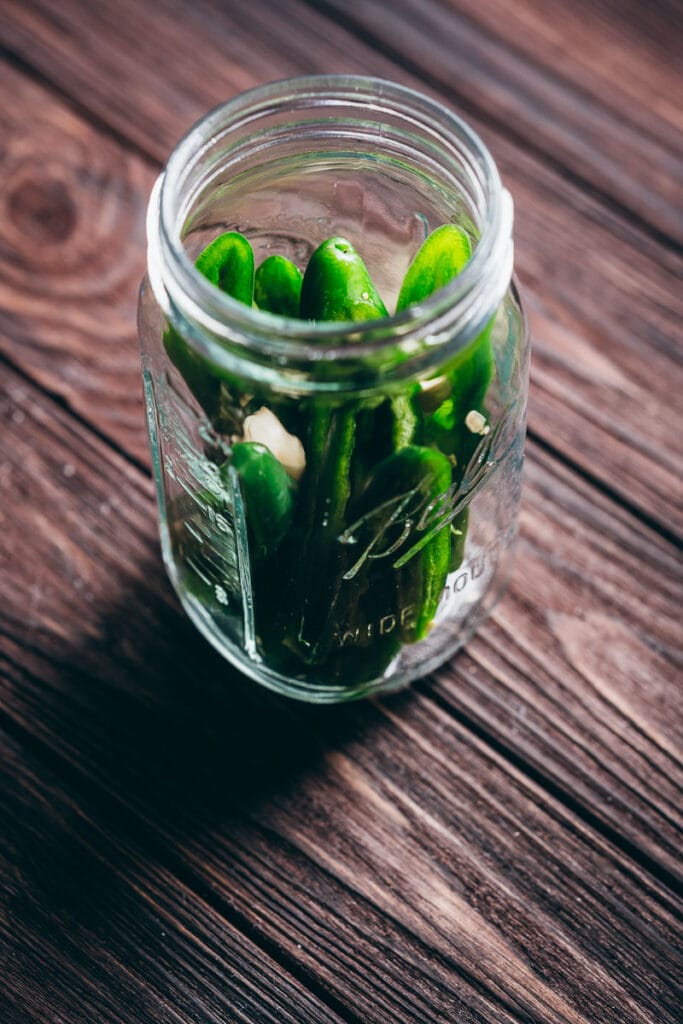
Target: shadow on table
[
  {"x": 164, "y": 747},
  {"x": 160, "y": 747},
  {"x": 154, "y": 713}
]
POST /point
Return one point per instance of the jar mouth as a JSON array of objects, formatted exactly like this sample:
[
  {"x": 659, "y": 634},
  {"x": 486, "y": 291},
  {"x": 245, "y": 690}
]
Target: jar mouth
[{"x": 467, "y": 300}]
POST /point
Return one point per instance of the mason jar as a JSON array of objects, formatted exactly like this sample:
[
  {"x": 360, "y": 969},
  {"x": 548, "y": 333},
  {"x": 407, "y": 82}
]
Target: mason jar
[{"x": 385, "y": 536}]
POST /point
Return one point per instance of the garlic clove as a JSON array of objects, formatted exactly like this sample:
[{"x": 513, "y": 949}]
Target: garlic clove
[
  {"x": 476, "y": 423},
  {"x": 265, "y": 428}
]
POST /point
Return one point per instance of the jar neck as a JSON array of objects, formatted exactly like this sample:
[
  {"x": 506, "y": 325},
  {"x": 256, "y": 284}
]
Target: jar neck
[{"x": 322, "y": 115}]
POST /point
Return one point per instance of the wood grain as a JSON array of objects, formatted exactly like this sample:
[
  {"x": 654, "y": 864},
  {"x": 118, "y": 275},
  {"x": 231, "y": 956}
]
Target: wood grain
[
  {"x": 620, "y": 54},
  {"x": 72, "y": 252},
  {"x": 120, "y": 383},
  {"x": 611, "y": 121},
  {"x": 503, "y": 68},
  {"x": 582, "y": 557},
  {"x": 384, "y": 850},
  {"x": 604, "y": 298},
  {"x": 502, "y": 844},
  {"x": 97, "y": 929},
  {"x": 575, "y": 640}
]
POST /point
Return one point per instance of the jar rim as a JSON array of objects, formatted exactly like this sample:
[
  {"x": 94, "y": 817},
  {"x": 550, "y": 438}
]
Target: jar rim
[{"x": 179, "y": 286}]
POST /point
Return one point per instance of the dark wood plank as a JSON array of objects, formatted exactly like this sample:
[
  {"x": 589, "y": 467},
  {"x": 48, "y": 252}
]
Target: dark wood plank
[
  {"x": 96, "y": 600},
  {"x": 384, "y": 850},
  {"x": 555, "y": 79},
  {"x": 605, "y": 299},
  {"x": 574, "y": 647},
  {"x": 94, "y": 928},
  {"x": 402, "y": 866},
  {"x": 118, "y": 386},
  {"x": 521, "y": 73},
  {"x": 70, "y": 356},
  {"x": 621, "y": 54}
]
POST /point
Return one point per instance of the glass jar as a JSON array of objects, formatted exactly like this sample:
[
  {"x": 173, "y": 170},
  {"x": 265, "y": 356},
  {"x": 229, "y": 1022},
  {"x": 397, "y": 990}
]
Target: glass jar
[{"x": 388, "y": 537}]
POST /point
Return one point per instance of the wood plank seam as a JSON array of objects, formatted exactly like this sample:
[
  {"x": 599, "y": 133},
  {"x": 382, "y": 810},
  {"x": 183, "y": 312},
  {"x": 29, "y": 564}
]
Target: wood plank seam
[
  {"x": 545, "y": 782},
  {"x": 456, "y": 966},
  {"x": 86, "y": 423},
  {"x": 401, "y": 799},
  {"x": 671, "y": 536},
  {"x": 627, "y": 742}
]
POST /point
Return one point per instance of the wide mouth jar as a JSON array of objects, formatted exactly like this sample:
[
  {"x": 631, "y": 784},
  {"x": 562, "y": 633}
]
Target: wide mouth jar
[
  {"x": 338, "y": 499},
  {"x": 301, "y": 160}
]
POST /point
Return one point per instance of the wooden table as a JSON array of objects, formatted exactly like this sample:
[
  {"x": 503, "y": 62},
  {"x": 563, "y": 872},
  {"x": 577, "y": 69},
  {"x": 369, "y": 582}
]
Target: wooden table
[{"x": 500, "y": 844}]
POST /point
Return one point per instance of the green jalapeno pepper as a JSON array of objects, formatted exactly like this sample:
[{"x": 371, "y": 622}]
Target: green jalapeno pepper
[
  {"x": 277, "y": 286},
  {"x": 462, "y": 385},
  {"x": 228, "y": 262},
  {"x": 336, "y": 287},
  {"x": 268, "y": 499},
  {"x": 467, "y": 378},
  {"x": 400, "y": 523},
  {"x": 442, "y": 256},
  {"x": 267, "y": 491}
]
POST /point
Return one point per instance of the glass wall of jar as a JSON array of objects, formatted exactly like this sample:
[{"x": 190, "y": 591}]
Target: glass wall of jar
[{"x": 374, "y": 533}]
